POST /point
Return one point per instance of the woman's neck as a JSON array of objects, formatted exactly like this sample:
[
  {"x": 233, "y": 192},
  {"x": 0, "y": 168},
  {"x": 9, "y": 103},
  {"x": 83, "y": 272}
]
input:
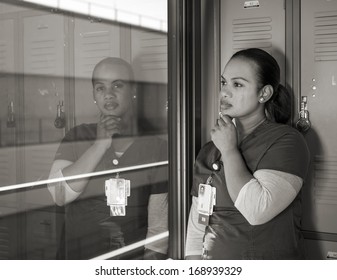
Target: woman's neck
[
  {"x": 247, "y": 126},
  {"x": 121, "y": 144},
  {"x": 128, "y": 125},
  {"x": 122, "y": 141}
]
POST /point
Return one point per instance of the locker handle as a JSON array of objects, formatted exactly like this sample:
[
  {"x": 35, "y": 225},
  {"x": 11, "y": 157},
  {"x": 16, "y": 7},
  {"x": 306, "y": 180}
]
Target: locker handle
[
  {"x": 303, "y": 124},
  {"x": 60, "y": 120}
]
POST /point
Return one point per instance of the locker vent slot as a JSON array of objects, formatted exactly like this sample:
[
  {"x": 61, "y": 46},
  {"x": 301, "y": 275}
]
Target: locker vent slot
[
  {"x": 6, "y": 46},
  {"x": 7, "y": 162},
  {"x": 325, "y": 178},
  {"x": 252, "y": 32},
  {"x": 325, "y": 34},
  {"x": 153, "y": 51},
  {"x": 42, "y": 56},
  {"x": 4, "y": 243},
  {"x": 39, "y": 160},
  {"x": 95, "y": 46},
  {"x": 4, "y": 168},
  {"x": 3, "y": 55}
]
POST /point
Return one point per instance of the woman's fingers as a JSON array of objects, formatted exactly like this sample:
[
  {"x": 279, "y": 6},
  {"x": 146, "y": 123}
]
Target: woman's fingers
[
  {"x": 108, "y": 126},
  {"x": 110, "y": 121},
  {"x": 225, "y": 119},
  {"x": 223, "y": 134},
  {"x": 105, "y": 118}
]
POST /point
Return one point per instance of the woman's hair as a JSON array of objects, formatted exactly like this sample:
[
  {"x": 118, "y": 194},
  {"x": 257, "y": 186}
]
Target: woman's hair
[{"x": 278, "y": 107}]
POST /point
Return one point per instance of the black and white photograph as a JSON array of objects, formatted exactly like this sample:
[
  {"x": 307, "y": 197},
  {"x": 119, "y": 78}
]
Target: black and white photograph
[{"x": 165, "y": 133}]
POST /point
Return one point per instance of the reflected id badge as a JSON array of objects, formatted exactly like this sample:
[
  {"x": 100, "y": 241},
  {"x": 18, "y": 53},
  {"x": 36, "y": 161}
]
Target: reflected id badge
[
  {"x": 117, "y": 191},
  {"x": 206, "y": 201}
]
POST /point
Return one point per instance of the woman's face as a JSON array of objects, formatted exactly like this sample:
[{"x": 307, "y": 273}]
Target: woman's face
[
  {"x": 112, "y": 90},
  {"x": 239, "y": 93}
]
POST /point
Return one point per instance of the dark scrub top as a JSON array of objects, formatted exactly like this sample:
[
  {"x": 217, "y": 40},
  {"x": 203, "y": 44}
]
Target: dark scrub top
[
  {"x": 229, "y": 235},
  {"x": 89, "y": 229}
]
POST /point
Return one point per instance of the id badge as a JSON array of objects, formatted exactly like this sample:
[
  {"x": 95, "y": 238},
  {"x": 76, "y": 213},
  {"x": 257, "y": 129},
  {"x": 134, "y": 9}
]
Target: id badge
[
  {"x": 206, "y": 201},
  {"x": 117, "y": 191}
]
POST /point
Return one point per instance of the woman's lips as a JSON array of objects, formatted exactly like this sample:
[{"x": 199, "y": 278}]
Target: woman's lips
[
  {"x": 225, "y": 105},
  {"x": 110, "y": 105}
]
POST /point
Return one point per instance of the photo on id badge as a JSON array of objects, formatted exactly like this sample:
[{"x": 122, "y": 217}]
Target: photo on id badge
[
  {"x": 205, "y": 203},
  {"x": 205, "y": 199}
]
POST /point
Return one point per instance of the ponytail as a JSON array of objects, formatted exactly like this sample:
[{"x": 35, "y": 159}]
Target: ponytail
[{"x": 278, "y": 108}]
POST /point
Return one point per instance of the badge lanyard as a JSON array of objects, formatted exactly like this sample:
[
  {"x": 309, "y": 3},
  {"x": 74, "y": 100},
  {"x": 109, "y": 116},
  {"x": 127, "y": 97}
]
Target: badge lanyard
[{"x": 207, "y": 196}]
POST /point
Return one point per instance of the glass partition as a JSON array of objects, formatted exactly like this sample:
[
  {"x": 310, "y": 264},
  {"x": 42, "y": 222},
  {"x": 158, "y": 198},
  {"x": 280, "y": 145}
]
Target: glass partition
[{"x": 83, "y": 131}]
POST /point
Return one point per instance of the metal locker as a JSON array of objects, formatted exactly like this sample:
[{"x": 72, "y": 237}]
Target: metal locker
[
  {"x": 43, "y": 50},
  {"x": 319, "y": 85},
  {"x": 8, "y": 85},
  {"x": 246, "y": 24}
]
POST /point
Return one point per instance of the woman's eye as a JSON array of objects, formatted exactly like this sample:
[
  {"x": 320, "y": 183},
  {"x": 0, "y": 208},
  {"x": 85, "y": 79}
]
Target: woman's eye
[
  {"x": 237, "y": 85},
  {"x": 99, "y": 89},
  {"x": 223, "y": 83},
  {"x": 118, "y": 85}
]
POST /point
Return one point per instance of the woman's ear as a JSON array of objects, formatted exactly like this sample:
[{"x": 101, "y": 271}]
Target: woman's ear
[
  {"x": 134, "y": 90},
  {"x": 93, "y": 96},
  {"x": 266, "y": 93}
]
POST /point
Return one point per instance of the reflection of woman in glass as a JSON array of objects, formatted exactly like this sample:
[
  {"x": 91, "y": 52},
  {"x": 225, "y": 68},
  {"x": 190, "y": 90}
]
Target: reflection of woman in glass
[{"x": 111, "y": 143}]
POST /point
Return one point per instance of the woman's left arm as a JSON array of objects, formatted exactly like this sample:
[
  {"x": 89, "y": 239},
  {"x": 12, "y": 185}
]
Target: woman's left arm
[
  {"x": 262, "y": 195},
  {"x": 224, "y": 137},
  {"x": 237, "y": 173},
  {"x": 279, "y": 177},
  {"x": 267, "y": 195},
  {"x": 157, "y": 227}
]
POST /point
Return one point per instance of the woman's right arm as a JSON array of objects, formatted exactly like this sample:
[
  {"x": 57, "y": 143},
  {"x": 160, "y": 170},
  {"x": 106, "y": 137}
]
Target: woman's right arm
[{"x": 66, "y": 191}]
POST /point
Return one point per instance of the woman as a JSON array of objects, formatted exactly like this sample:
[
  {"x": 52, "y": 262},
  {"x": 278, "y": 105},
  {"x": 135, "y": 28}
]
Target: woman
[
  {"x": 92, "y": 227},
  {"x": 256, "y": 163}
]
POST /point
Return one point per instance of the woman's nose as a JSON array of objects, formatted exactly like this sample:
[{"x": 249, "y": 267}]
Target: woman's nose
[
  {"x": 225, "y": 92},
  {"x": 110, "y": 92}
]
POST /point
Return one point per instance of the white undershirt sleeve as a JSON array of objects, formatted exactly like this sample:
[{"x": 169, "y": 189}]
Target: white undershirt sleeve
[
  {"x": 195, "y": 232},
  {"x": 267, "y": 195},
  {"x": 157, "y": 222},
  {"x": 60, "y": 191}
]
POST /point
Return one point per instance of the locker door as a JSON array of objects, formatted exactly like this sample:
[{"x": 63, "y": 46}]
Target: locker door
[
  {"x": 149, "y": 56},
  {"x": 319, "y": 84},
  {"x": 93, "y": 41},
  {"x": 248, "y": 24},
  {"x": 43, "y": 50},
  {"x": 8, "y": 172},
  {"x": 7, "y": 95},
  {"x": 43, "y": 68}
]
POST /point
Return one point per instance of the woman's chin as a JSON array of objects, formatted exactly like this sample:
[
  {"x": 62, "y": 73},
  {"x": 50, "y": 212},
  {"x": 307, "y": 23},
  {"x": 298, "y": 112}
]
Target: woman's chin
[
  {"x": 226, "y": 113},
  {"x": 110, "y": 113}
]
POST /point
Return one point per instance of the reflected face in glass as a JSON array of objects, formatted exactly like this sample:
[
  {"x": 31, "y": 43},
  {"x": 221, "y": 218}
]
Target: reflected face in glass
[
  {"x": 112, "y": 89},
  {"x": 239, "y": 89}
]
